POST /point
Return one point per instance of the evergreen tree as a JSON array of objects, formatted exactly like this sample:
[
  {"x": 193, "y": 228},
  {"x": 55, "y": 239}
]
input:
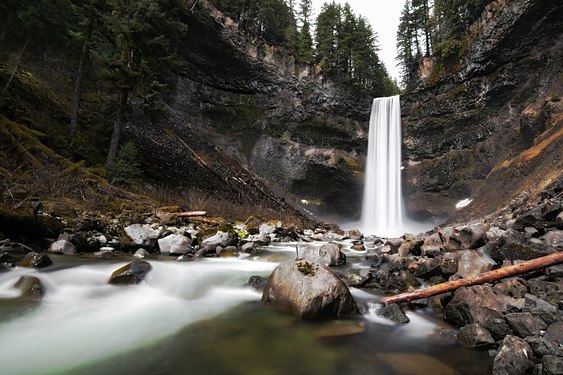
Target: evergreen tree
[
  {"x": 349, "y": 36},
  {"x": 327, "y": 36},
  {"x": 305, "y": 51}
]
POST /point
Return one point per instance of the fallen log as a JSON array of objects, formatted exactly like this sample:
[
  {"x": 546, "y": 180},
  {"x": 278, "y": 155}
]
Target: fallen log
[
  {"x": 486, "y": 277},
  {"x": 190, "y": 213}
]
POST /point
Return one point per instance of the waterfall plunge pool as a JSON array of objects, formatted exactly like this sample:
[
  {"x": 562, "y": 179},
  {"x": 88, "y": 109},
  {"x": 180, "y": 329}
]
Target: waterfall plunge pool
[{"x": 202, "y": 318}]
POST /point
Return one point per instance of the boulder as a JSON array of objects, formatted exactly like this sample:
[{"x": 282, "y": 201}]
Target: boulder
[
  {"x": 229, "y": 251},
  {"x": 553, "y": 238},
  {"x": 474, "y": 336},
  {"x": 257, "y": 282},
  {"x": 141, "y": 253},
  {"x": 130, "y": 274},
  {"x": 30, "y": 287},
  {"x": 523, "y": 324},
  {"x": 222, "y": 239},
  {"x": 514, "y": 287},
  {"x": 552, "y": 365},
  {"x": 479, "y": 304},
  {"x": 541, "y": 346},
  {"x": 514, "y": 357},
  {"x": 554, "y": 333},
  {"x": 394, "y": 313},
  {"x": 540, "y": 308},
  {"x": 35, "y": 260},
  {"x": 14, "y": 248},
  {"x": 141, "y": 235},
  {"x": 104, "y": 254},
  {"x": 432, "y": 246},
  {"x": 474, "y": 262},
  {"x": 309, "y": 291},
  {"x": 62, "y": 247},
  {"x": 328, "y": 254},
  {"x": 175, "y": 244}
]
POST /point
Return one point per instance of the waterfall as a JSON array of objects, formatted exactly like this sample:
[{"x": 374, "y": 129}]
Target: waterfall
[{"x": 382, "y": 208}]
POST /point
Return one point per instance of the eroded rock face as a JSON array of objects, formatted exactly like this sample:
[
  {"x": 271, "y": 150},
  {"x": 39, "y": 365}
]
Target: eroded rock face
[{"x": 308, "y": 291}]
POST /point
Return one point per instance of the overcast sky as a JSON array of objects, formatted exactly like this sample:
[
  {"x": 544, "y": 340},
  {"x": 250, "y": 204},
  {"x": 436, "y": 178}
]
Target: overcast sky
[{"x": 383, "y": 16}]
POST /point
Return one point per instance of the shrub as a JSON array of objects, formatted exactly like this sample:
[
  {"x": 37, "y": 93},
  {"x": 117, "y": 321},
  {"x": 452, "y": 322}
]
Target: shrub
[{"x": 126, "y": 169}]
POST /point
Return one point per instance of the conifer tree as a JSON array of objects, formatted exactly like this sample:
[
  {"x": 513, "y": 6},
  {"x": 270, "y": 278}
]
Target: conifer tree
[
  {"x": 305, "y": 51},
  {"x": 327, "y": 36}
]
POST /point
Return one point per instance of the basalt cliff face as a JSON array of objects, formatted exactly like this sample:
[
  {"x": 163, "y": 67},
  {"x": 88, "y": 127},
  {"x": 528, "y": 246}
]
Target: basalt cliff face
[
  {"x": 251, "y": 104},
  {"x": 493, "y": 128}
]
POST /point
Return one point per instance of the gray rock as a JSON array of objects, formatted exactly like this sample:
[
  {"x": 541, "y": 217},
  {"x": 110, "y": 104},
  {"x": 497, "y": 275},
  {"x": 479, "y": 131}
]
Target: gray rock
[
  {"x": 554, "y": 333},
  {"x": 15, "y": 248},
  {"x": 130, "y": 274},
  {"x": 515, "y": 287},
  {"x": 35, "y": 260},
  {"x": 514, "y": 357},
  {"x": 540, "y": 308},
  {"x": 474, "y": 336},
  {"x": 104, "y": 254},
  {"x": 141, "y": 253},
  {"x": 328, "y": 254},
  {"x": 411, "y": 247},
  {"x": 559, "y": 220},
  {"x": 553, "y": 238},
  {"x": 249, "y": 248},
  {"x": 523, "y": 324},
  {"x": 30, "y": 287},
  {"x": 541, "y": 346},
  {"x": 142, "y": 235},
  {"x": 479, "y": 304},
  {"x": 552, "y": 365},
  {"x": 308, "y": 291},
  {"x": 474, "y": 262},
  {"x": 229, "y": 251},
  {"x": 394, "y": 313},
  {"x": 62, "y": 247},
  {"x": 257, "y": 282},
  {"x": 432, "y": 246},
  {"x": 222, "y": 239},
  {"x": 175, "y": 244}
]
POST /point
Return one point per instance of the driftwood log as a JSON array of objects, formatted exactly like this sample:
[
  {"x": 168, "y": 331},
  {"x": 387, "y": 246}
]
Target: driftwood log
[
  {"x": 501, "y": 273},
  {"x": 191, "y": 213}
]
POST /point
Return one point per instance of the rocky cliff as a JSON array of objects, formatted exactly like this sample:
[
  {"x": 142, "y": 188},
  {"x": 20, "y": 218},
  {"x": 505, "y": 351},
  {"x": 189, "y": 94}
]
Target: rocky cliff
[
  {"x": 491, "y": 128},
  {"x": 252, "y": 104}
]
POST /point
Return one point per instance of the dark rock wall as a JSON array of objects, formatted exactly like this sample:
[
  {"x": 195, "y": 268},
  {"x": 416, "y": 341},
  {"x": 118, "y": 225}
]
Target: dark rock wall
[{"x": 459, "y": 127}]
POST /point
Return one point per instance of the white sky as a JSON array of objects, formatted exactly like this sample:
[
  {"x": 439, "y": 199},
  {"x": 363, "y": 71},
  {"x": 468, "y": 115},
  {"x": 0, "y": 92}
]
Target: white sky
[{"x": 383, "y": 16}]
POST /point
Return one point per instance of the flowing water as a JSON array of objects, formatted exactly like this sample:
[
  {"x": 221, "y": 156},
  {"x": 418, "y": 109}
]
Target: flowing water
[{"x": 201, "y": 318}]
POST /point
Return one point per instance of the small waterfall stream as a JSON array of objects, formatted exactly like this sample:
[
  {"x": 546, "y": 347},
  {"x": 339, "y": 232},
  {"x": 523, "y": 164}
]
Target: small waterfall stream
[{"x": 382, "y": 209}]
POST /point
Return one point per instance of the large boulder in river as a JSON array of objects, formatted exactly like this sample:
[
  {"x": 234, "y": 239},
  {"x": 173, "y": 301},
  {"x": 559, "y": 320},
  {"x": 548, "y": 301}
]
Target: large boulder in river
[
  {"x": 175, "y": 244},
  {"x": 309, "y": 291},
  {"x": 327, "y": 254},
  {"x": 130, "y": 274},
  {"x": 35, "y": 260},
  {"x": 222, "y": 239},
  {"x": 141, "y": 235},
  {"x": 30, "y": 287}
]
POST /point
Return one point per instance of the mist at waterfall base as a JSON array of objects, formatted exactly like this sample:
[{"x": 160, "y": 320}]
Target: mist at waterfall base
[{"x": 383, "y": 213}]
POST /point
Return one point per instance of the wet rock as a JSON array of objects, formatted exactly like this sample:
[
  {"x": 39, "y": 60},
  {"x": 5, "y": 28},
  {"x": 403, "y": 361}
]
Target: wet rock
[
  {"x": 412, "y": 363},
  {"x": 394, "y": 313},
  {"x": 559, "y": 220},
  {"x": 14, "y": 248},
  {"x": 426, "y": 268},
  {"x": 479, "y": 304},
  {"x": 474, "y": 262},
  {"x": 540, "y": 308},
  {"x": 474, "y": 336},
  {"x": 513, "y": 358},
  {"x": 449, "y": 263},
  {"x": 257, "y": 282},
  {"x": 35, "y": 260},
  {"x": 553, "y": 238},
  {"x": 552, "y": 365},
  {"x": 104, "y": 254},
  {"x": 353, "y": 234},
  {"x": 394, "y": 244},
  {"x": 411, "y": 247},
  {"x": 554, "y": 333},
  {"x": 141, "y": 253},
  {"x": 308, "y": 291},
  {"x": 523, "y": 324},
  {"x": 62, "y": 247},
  {"x": 357, "y": 278},
  {"x": 515, "y": 287},
  {"x": 30, "y": 287},
  {"x": 222, "y": 239},
  {"x": 432, "y": 246},
  {"x": 141, "y": 235},
  {"x": 473, "y": 236},
  {"x": 175, "y": 244},
  {"x": 229, "y": 251},
  {"x": 249, "y": 248},
  {"x": 130, "y": 274},
  {"x": 541, "y": 346},
  {"x": 328, "y": 254}
]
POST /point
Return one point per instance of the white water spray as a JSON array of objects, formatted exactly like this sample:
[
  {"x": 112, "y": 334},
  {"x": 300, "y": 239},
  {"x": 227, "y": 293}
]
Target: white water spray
[{"x": 382, "y": 209}]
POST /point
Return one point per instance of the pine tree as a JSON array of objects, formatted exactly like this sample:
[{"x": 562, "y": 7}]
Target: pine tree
[
  {"x": 305, "y": 50},
  {"x": 327, "y": 37}
]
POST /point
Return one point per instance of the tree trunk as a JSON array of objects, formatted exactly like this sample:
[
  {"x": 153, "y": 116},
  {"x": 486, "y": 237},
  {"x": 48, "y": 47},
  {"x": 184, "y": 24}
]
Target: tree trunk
[
  {"x": 117, "y": 125},
  {"x": 501, "y": 273},
  {"x": 78, "y": 82},
  {"x": 16, "y": 68}
]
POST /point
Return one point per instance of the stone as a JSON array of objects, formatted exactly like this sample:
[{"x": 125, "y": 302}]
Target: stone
[
  {"x": 309, "y": 291},
  {"x": 514, "y": 357},
  {"x": 411, "y": 247},
  {"x": 514, "y": 287},
  {"x": 523, "y": 324},
  {"x": 553, "y": 238},
  {"x": 35, "y": 260},
  {"x": 432, "y": 246},
  {"x": 104, "y": 254},
  {"x": 474, "y": 262},
  {"x": 249, "y": 248},
  {"x": 479, "y": 304},
  {"x": 327, "y": 254},
  {"x": 62, "y": 247},
  {"x": 141, "y": 253},
  {"x": 130, "y": 274},
  {"x": 357, "y": 278},
  {"x": 142, "y": 235},
  {"x": 540, "y": 346},
  {"x": 266, "y": 228},
  {"x": 540, "y": 308},
  {"x": 175, "y": 244},
  {"x": 30, "y": 287},
  {"x": 257, "y": 282},
  {"x": 15, "y": 248},
  {"x": 222, "y": 239},
  {"x": 474, "y": 336},
  {"x": 552, "y": 365},
  {"x": 559, "y": 220},
  {"x": 449, "y": 263},
  {"x": 554, "y": 333},
  {"x": 394, "y": 313},
  {"x": 353, "y": 234},
  {"x": 229, "y": 251}
]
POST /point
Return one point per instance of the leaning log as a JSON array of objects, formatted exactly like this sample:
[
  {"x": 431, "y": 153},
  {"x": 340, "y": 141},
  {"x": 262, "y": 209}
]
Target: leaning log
[{"x": 486, "y": 277}]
